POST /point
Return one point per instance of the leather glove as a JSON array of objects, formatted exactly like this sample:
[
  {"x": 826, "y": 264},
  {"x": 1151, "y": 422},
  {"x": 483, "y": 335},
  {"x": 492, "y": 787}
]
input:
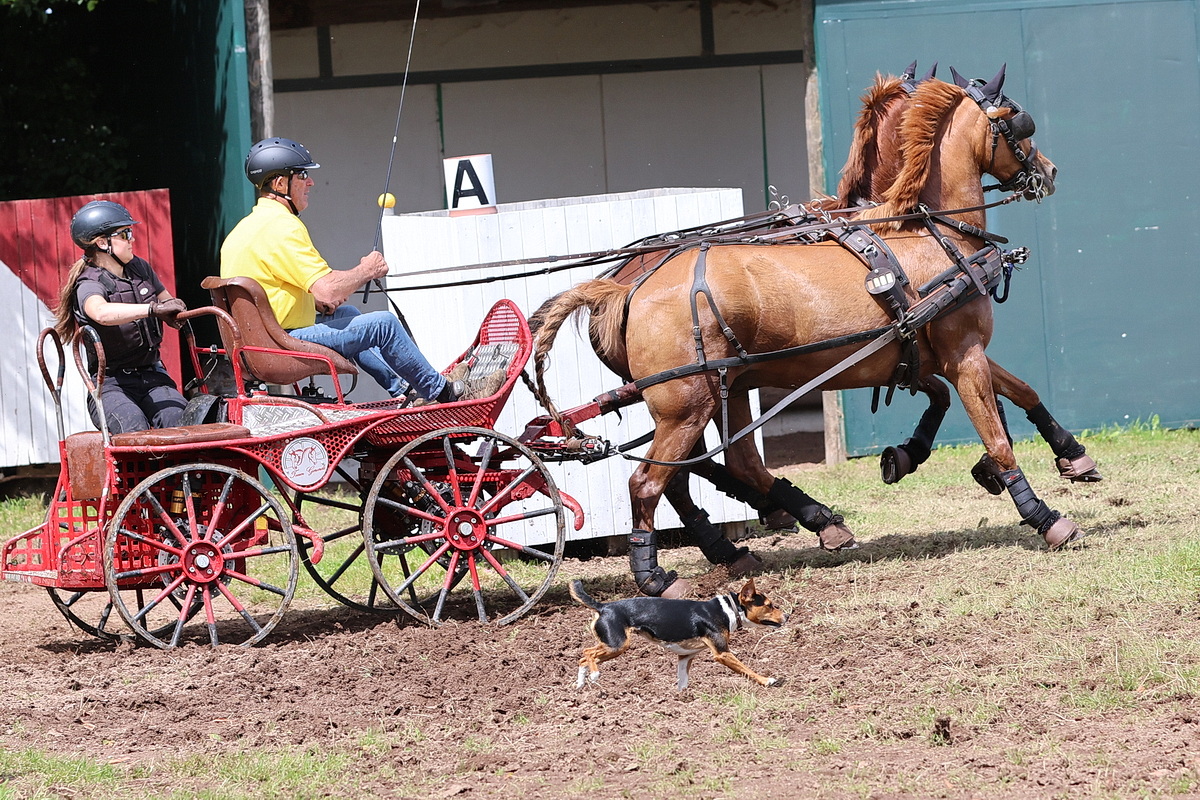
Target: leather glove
[{"x": 168, "y": 310}]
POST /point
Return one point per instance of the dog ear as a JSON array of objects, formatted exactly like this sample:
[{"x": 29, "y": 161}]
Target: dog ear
[{"x": 748, "y": 591}]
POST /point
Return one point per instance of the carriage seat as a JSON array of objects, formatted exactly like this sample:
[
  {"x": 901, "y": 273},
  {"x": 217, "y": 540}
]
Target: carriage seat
[
  {"x": 257, "y": 326},
  {"x": 184, "y": 434}
]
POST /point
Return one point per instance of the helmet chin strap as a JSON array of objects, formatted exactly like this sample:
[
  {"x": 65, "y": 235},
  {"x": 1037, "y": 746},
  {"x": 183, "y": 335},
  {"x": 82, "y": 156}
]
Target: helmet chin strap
[
  {"x": 269, "y": 190},
  {"x": 108, "y": 251}
]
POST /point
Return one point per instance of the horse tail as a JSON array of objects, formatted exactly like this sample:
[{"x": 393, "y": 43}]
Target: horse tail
[{"x": 604, "y": 300}]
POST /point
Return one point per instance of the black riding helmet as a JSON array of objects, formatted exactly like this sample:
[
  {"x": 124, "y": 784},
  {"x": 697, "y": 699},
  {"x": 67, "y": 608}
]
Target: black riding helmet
[
  {"x": 276, "y": 156},
  {"x": 99, "y": 218}
]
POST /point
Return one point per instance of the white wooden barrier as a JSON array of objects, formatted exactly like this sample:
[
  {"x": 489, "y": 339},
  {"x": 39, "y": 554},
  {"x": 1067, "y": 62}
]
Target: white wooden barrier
[
  {"x": 444, "y": 320},
  {"x": 28, "y": 427}
]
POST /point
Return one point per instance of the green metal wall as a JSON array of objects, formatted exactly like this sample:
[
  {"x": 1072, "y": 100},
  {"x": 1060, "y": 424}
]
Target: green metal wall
[
  {"x": 210, "y": 137},
  {"x": 1102, "y": 321}
]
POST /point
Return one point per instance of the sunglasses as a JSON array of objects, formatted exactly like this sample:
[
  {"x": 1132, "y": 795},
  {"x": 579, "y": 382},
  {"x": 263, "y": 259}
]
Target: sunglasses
[
  {"x": 126, "y": 234},
  {"x": 302, "y": 174}
]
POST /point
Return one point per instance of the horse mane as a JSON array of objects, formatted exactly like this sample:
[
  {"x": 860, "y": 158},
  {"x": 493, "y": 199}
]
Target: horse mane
[
  {"x": 929, "y": 106},
  {"x": 863, "y": 160}
]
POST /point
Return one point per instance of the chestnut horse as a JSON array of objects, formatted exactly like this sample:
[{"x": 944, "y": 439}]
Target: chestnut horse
[
  {"x": 776, "y": 296},
  {"x": 871, "y": 169}
]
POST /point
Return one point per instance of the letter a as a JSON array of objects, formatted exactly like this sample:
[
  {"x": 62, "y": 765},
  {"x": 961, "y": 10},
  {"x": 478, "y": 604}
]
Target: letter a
[{"x": 466, "y": 172}]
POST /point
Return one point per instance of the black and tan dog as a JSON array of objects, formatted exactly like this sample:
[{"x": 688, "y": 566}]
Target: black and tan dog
[{"x": 683, "y": 627}]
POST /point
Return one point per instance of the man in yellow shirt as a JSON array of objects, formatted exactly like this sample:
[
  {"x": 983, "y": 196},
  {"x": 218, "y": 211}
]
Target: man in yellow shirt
[{"x": 272, "y": 246}]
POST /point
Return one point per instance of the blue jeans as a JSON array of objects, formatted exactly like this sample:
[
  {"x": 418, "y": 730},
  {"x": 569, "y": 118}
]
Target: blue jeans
[{"x": 380, "y": 345}]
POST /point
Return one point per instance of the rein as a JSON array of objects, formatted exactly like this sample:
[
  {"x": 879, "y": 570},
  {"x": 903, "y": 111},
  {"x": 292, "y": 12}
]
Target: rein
[{"x": 736, "y": 236}]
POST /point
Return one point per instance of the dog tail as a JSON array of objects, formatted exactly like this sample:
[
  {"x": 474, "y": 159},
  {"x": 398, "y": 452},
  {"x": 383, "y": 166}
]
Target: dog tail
[{"x": 581, "y": 596}]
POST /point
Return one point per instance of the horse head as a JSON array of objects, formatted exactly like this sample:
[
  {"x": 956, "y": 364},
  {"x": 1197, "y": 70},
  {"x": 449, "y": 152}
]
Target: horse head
[
  {"x": 1033, "y": 175},
  {"x": 949, "y": 137}
]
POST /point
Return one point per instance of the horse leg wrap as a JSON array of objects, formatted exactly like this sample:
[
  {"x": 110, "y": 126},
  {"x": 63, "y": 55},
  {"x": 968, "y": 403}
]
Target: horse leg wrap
[
  {"x": 770, "y": 513},
  {"x": 650, "y": 578},
  {"x": 1071, "y": 457},
  {"x": 1034, "y": 513},
  {"x": 1059, "y": 438},
  {"x": 711, "y": 541},
  {"x": 896, "y": 462},
  {"x": 812, "y": 515}
]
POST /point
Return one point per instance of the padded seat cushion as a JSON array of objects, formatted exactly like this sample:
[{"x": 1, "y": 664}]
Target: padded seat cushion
[{"x": 188, "y": 434}]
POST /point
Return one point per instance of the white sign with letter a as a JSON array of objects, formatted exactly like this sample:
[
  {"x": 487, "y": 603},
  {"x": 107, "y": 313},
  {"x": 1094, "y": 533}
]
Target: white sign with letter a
[{"x": 470, "y": 185}]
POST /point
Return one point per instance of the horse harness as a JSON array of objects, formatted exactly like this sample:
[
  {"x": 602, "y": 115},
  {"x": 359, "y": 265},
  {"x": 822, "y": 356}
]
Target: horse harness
[{"x": 977, "y": 275}]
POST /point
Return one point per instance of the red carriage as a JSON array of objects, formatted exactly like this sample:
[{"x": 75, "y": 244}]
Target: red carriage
[{"x": 199, "y": 532}]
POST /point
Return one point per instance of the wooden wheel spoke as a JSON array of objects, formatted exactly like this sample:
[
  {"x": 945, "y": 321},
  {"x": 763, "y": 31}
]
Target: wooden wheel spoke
[
  {"x": 419, "y": 571},
  {"x": 503, "y": 497},
  {"x": 503, "y": 573},
  {"x": 429, "y": 488},
  {"x": 522, "y": 516},
  {"x": 146, "y": 608},
  {"x": 247, "y": 579},
  {"x": 452, "y": 470},
  {"x": 480, "y": 609},
  {"x": 524, "y": 550},
  {"x": 486, "y": 451},
  {"x": 243, "y": 526},
  {"x": 214, "y": 522},
  {"x": 189, "y": 502},
  {"x": 184, "y": 615},
  {"x": 166, "y": 518},
  {"x": 412, "y": 511},
  {"x": 346, "y": 564}
]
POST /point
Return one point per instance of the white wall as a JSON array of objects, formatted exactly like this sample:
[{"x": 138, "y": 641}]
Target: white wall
[
  {"x": 444, "y": 321},
  {"x": 738, "y": 127},
  {"x": 28, "y": 424}
]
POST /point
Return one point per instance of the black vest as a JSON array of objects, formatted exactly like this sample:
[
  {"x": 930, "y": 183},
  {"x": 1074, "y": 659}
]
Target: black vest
[{"x": 133, "y": 344}]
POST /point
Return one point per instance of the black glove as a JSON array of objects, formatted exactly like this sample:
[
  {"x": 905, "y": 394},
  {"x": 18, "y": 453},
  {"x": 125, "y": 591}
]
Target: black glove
[{"x": 168, "y": 310}]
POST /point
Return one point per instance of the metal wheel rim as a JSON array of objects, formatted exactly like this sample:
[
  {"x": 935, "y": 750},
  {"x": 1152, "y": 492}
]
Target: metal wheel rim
[
  {"x": 551, "y": 496},
  {"x": 112, "y": 577}
]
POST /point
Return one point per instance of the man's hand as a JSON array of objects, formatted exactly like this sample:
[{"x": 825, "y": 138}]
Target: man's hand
[
  {"x": 168, "y": 310},
  {"x": 335, "y": 287},
  {"x": 372, "y": 266}
]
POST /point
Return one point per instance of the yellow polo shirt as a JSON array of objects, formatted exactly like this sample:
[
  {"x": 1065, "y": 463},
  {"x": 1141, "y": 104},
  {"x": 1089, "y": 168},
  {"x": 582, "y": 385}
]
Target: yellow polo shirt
[{"x": 272, "y": 246}]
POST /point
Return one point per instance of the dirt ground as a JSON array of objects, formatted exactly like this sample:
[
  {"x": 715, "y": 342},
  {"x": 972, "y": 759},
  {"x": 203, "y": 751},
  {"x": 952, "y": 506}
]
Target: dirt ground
[{"x": 467, "y": 711}]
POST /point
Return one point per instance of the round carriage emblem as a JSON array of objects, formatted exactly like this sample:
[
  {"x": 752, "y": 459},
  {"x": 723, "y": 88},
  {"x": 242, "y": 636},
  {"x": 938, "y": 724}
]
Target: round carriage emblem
[{"x": 304, "y": 461}]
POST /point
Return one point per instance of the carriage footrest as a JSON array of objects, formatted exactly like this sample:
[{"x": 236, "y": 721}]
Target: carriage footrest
[{"x": 187, "y": 434}]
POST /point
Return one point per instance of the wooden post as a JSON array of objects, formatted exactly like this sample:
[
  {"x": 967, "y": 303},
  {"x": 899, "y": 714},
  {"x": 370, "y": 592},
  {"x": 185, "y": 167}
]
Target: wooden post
[
  {"x": 831, "y": 402},
  {"x": 258, "y": 69}
]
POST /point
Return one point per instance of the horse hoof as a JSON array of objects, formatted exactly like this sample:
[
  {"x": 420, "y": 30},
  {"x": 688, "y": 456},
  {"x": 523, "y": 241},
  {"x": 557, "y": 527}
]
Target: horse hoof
[
  {"x": 1062, "y": 533},
  {"x": 987, "y": 474},
  {"x": 681, "y": 587},
  {"x": 836, "y": 536},
  {"x": 746, "y": 564},
  {"x": 778, "y": 520},
  {"x": 1081, "y": 469},
  {"x": 895, "y": 463}
]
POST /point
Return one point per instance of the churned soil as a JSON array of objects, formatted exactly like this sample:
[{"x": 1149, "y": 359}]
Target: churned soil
[{"x": 867, "y": 709}]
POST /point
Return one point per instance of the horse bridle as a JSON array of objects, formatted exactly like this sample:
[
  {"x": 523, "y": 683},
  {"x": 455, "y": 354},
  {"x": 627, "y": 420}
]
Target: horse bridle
[{"x": 1020, "y": 126}]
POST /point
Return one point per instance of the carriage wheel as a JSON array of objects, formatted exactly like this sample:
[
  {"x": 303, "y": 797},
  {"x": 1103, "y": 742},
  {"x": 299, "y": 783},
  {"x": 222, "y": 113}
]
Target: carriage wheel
[
  {"x": 92, "y": 611},
  {"x": 456, "y": 508},
  {"x": 213, "y": 539},
  {"x": 343, "y": 572}
]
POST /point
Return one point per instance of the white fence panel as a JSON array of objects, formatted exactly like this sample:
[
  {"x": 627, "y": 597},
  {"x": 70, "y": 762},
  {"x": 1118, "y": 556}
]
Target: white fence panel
[
  {"x": 444, "y": 320},
  {"x": 28, "y": 424}
]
